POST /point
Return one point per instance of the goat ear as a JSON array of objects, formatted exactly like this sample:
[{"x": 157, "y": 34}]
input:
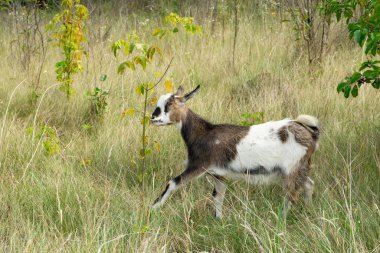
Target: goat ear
[
  {"x": 192, "y": 94},
  {"x": 179, "y": 92}
]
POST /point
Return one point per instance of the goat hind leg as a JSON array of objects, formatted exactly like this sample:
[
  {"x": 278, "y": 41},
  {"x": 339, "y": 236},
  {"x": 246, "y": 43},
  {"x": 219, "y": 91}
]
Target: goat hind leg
[
  {"x": 309, "y": 189},
  {"x": 218, "y": 195},
  {"x": 292, "y": 189}
]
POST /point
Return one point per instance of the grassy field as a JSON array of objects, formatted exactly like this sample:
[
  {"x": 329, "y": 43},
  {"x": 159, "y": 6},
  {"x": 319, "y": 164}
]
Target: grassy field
[{"x": 58, "y": 204}]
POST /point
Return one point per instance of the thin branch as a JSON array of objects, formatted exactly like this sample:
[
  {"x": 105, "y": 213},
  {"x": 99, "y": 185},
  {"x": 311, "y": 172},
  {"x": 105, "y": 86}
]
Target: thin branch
[{"x": 162, "y": 77}]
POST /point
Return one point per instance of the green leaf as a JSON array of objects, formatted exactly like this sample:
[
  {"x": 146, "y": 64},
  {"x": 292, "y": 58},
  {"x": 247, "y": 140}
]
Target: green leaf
[
  {"x": 140, "y": 60},
  {"x": 86, "y": 126},
  {"x": 161, "y": 34},
  {"x": 61, "y": 64},
  {"x": 131, "y": 47},
  {"x": 374, "y": 49},
  {"x": 368, "y": 47},
  {"x": 150, "y": 52},
  {"x": 175, "y": 30},
  {"x": 348, "y": 13},
  {"x": 29, "y": 131},
  {"x": 145, "y": 152},
  {"x": 338, "y": 15},
  {"x": 130, "y": 65},
  {"x": 355, "y": 77},
  {"x": 355, "y": 91},
  {"x": 370, "y": 74},
  {"x": 140, "y": 89},
  {"x": 364, "y": 65},
  {"x": 116, "y": 46},
  {"x": 347, "y": 90},
  {"x": 340, "y": 86},
  {"x": 121, "y": 68},
  {"x": 376, "y": 84},
  {"x": 148, "y": 151},
  {"x": 103, "y": 77},
  {"x": 359, "y": 37}
]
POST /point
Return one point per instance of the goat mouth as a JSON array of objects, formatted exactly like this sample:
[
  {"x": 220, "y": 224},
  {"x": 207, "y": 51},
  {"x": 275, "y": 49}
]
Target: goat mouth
[{"x": 156, "y": 122}]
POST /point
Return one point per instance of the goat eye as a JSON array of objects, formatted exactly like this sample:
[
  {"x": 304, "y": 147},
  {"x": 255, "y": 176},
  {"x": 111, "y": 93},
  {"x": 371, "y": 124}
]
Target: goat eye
[{"x": 156, "y": 112}]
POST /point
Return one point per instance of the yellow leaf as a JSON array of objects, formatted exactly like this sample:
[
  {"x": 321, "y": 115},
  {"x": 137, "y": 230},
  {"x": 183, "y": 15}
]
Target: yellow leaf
[
  {"x": 146, "y": 140},
  {"x": 153, "y": 101},
  {"x": 158, "y": 147},
  {"x": 85, "y": 162},
  {"x": 128, "y": 112},
  {"x": 145, "y": 120},
  {"x": 157, "y": 74},
  {"x": 156, "y": 31},
  {"x": 169, "y": 85}
]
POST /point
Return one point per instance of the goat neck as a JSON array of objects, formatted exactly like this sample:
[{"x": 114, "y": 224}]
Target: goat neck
[{"x": 193, "y": 127}]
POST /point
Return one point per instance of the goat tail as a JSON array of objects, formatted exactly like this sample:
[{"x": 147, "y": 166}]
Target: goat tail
[{"x": 311, "y": 123}]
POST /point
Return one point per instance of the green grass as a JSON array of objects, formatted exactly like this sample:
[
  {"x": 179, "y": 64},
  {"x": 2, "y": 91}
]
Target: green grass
[{"x": 53, "y": 203}]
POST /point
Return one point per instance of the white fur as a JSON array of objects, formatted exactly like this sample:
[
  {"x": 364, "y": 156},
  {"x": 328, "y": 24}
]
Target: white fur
[
  {"x": 163, "y": 118},
  {"x": 220, "y": 189},
  {"x": 262, "y": 147},
  {"x": 179, "y": 125},
  {"x": 172, "y": 187},
  {"x": 252, "y": 179},
  {"x": 308, "y": 120}
]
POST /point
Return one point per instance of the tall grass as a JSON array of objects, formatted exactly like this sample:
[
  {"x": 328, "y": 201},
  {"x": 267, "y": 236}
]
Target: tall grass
[{"x": 58, "y": 203}]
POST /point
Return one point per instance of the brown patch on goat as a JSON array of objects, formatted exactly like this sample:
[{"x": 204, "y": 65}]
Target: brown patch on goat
[
  {"x": 209, "y": 144},
  {"x": 302, "y": 135},
  {"x": 283, "y": 134},
  {"x": 229, "y": 137},
  {"x": 176, "y": 107}
]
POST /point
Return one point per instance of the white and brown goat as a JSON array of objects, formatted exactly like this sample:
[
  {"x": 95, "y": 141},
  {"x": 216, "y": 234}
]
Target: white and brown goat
[{"x": 273, "y": 152}]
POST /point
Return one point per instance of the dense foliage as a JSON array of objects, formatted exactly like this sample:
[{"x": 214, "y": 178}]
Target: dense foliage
[
  {"x": 69, "y": 30},
  {"x": 365, "y": 30}
]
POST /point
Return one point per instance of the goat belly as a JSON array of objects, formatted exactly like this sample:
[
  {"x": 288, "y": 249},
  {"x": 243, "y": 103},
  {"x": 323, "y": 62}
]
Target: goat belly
[{"x": 263, "y": 154}]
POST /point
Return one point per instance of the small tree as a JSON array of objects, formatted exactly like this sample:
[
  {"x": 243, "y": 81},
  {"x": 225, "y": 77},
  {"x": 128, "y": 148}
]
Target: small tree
[
  {"x": 69, "y": 29},
  {"x": 139, "y": 56},
  {"x": 310, "y": 29}
]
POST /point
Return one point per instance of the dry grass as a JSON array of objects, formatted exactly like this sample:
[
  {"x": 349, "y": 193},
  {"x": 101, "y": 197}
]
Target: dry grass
[{"x": 52, "y": 203}]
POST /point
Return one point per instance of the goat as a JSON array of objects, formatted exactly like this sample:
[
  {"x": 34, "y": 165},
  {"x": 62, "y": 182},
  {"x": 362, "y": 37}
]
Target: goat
[{"x": 272, "y": 152}]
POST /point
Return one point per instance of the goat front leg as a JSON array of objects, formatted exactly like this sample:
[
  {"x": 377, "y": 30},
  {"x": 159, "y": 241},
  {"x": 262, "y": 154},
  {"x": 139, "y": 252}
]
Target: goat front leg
[
  {"x": 175, "y": 183},
  {"x": 218, "y": 195}
]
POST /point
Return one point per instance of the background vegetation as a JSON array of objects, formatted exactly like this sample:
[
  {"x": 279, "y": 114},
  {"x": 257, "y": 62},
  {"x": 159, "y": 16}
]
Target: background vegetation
[{"x": 69, "y": 167}]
